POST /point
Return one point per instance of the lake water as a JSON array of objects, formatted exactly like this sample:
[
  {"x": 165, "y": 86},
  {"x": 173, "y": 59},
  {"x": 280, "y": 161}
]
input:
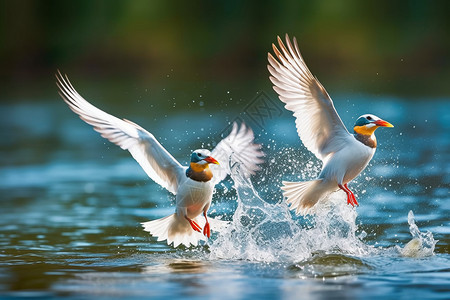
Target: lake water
[{"x": 72, "y": 204}]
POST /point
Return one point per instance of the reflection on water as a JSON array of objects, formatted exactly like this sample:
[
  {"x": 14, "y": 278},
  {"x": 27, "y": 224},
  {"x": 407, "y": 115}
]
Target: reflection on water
[
  {"x": 181, "y": 266},
  {"x": 325, "y": 265},
  {"x": 71, "y": 206}
]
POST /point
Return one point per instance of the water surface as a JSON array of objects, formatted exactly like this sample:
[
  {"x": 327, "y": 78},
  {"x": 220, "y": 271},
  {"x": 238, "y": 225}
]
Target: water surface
[{"x": 72, "y": 203}]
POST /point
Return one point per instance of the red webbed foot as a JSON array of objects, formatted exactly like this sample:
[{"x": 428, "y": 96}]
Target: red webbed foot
[
  {"x": 194, "y": 225},
  {"x": 207, "y": 228},
  {"x": 351, "y": 199}
]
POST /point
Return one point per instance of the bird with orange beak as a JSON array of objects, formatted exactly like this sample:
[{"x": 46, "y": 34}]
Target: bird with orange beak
[
  {"x": 344, "y": 155},
  {"x": 193, "y": 185}
]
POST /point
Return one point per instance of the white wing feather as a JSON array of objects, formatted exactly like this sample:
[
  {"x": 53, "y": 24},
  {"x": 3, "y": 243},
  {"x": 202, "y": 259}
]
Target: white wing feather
[
  {"x": 319, "y": 126},
  {"x": 237, "y": 147},
  {"x": 146, "y": 150}
]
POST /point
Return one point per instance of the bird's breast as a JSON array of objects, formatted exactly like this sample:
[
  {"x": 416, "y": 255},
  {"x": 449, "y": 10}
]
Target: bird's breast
[
  {"x": 360, "y": 157},
  {"x": 347, "y": 163},
  {"x": 194, "y": 195},
  {"x": 201, "y": 173},
  {"x": 367, "y": 140}
]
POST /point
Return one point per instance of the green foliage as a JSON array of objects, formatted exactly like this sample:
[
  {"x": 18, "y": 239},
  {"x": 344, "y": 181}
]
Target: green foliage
[{"x": 378, "y": 47}]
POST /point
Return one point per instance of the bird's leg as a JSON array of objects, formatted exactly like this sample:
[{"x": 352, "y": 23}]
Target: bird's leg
[
  {"x": 350, "y": 196},
  {"x": 207, "y": 228},
  {"x": 194, "y": 224}
]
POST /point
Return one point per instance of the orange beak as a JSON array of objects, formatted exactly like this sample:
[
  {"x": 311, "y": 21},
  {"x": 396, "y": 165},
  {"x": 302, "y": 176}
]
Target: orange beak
[
  {"x": 383, "y": 123},
  {"x": 211, "y": 160}
]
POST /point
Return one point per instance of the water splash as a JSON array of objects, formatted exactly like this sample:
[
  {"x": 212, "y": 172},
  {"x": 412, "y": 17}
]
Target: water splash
[
  {"x": 261, "y": 231},
  {"x": 422, "y": 243}
]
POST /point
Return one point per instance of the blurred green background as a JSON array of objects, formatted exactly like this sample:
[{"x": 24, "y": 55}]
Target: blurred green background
[{"x": 131, "y": 50}]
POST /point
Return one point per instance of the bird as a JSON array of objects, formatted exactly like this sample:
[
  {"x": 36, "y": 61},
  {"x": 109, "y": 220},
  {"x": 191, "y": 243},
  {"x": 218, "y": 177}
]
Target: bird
[
  {"x": 344, "y": 155},
  {"x": 192, "y": 185}
]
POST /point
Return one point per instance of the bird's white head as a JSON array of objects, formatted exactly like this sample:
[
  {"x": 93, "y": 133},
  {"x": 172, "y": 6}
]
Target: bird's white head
[
  {"x": 202, "y": 157},
  {"x": 367, "y": 124}
]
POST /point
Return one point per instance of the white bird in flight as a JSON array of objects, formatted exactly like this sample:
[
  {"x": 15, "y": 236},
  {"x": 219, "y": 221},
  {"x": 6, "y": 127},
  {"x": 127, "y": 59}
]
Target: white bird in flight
[
  {"x": 321, "y": 130},
  {"x": 193, "y": 185}
]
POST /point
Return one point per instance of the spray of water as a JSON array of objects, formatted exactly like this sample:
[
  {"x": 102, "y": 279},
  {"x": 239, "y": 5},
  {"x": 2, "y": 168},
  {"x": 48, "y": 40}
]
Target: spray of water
[
  {"x": 422, "y": 243},
  {"x": 261, "y": 231}
]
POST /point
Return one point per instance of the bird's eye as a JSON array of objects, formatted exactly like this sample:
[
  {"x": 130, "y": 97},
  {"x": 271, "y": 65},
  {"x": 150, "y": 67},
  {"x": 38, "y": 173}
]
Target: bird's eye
[
  {"x": 369, "y": 118},
  {"x": 199, "y": 154}
]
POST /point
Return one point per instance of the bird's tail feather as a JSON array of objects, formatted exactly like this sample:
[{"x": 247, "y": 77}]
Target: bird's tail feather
[
  {"x": 177, "y": 230},
  {"x": 302, "y": 196}
]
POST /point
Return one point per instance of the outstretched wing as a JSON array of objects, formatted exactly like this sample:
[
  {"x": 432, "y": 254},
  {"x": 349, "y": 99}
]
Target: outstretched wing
[
  {"x": 237, "y": 147},
  {"x": 319, "y": 126},
  {"x": 146, "y": 150}
]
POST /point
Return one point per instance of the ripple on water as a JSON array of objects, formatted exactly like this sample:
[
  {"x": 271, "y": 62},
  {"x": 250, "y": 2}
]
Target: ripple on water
[{"x": 71, "y": 213}]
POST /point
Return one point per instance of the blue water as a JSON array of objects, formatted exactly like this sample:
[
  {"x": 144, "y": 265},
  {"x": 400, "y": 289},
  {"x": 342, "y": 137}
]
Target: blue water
[{"x": 72, "y": 203}]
